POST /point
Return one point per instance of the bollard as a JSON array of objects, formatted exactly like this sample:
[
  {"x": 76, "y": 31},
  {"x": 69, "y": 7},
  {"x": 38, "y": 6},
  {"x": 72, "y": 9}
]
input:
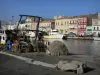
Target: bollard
[{"x": 9, "y": 45}]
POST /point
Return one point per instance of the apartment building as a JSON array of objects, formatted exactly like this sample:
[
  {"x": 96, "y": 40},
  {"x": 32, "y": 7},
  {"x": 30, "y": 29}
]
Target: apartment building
[
  {"x": 62, "y": 24},
  {"x": 45, "y": 24},
  {"x": 96, "y": 26},
  {"x": 82, "y": 24},
  {"x": 72, "y": 24}
]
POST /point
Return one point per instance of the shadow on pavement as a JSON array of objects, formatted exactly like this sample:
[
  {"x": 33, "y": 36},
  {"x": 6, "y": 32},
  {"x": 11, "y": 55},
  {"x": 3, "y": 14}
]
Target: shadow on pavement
[
  {"x": 74, "y": 54},
  {"x": 88, "y": 69}
]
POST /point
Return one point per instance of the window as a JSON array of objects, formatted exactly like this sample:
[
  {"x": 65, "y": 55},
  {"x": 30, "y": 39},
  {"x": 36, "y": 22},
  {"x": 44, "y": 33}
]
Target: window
[
  {"x": 50, "y": 25},
  {"x": 84, "y": 26},
  {"x": 73, "y": 22},
  {"x": 81, "y": 22},
  {"x": 58, "y": 23},
  {"x": 61, "y": 23},
  {"x": 70, "y": 22},
  {"x": 97, "y": 28},
  {"x": 85, "y": 22},
  {"x": 94, "y": 28},
  {"x": 65, "y": 22},
  {"x": 78, "y": 22}
]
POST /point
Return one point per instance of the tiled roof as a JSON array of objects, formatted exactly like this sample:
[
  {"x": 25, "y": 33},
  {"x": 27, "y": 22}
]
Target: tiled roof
[
  {"x": 72, "y": 17},
  {"x": 45, "y": 21}
]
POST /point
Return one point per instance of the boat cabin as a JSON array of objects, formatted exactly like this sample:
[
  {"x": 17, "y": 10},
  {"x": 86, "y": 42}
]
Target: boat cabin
[{"x": 54, "y": 32}]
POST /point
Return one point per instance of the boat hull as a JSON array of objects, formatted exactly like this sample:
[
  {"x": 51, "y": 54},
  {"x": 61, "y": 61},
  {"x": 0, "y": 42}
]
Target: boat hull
[
  {"x": 53, "y": 37},
  {"x": 96, "y": 38}
]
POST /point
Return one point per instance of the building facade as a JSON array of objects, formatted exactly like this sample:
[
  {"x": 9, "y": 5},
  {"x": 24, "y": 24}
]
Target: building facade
[
  {"x": 62, "y": 24},
  {"x": 89, "y": 30},
  {"x": 96, "y": 26},
  {"x": 73, "y": 25},
  {"x": 47, "y": 25},
  {"x": 82, "y": 23}
]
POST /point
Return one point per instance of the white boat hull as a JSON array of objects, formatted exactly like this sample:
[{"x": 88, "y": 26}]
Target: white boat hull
[
  {"x": 54, "y": 34},
  {"x": 53, "y": 37},
  {"x": 97, "y": 38}
]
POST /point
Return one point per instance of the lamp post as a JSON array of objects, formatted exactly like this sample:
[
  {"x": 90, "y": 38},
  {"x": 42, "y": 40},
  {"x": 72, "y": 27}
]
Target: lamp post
[{"x": 11, "y": 20}]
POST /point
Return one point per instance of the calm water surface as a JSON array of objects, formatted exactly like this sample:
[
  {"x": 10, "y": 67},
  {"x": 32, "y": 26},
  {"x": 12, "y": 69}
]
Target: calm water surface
[{"x": 84, "y": 47}]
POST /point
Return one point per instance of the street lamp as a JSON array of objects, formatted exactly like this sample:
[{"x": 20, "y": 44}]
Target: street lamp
[{"x": 11, "y": 20}]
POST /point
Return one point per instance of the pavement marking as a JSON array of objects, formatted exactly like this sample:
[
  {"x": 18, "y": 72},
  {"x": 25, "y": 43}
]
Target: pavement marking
[{"x": 29, "y": 60}]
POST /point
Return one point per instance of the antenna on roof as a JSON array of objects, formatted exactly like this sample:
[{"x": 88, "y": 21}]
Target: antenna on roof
[{"x": 94, "y": 11}]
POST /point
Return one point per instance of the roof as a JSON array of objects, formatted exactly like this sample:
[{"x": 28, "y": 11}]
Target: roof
[
  {"x": 80, "y": 16},
  {"x": 45, "y": 21},
  {"x": 71, "y": 17}
]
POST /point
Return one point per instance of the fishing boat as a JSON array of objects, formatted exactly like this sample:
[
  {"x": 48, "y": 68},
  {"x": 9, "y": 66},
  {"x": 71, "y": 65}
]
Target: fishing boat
[{"x": 53, "y": 34}]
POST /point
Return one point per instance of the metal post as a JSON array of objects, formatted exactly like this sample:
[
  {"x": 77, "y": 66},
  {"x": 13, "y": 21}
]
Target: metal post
[
  {"x": 19, "y": 22},
  {"x": 10, "y": 25},
  {"x": 37, "y": 30},
  {"x": 11, "y": 21}
]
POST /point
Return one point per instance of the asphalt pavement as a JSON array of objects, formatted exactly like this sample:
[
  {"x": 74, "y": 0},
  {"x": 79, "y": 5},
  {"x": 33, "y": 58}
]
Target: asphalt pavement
[{"x": 13, "y": 66}]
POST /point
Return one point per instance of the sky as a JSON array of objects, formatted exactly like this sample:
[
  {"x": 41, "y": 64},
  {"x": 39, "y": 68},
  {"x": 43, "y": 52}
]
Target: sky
[{"x": 47, "y": 8}]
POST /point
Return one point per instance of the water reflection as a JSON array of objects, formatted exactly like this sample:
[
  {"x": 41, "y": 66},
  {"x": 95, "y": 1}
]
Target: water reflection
[{"x": 86, "y": 47}]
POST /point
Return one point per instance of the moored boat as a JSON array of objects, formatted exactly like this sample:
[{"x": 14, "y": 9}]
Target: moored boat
[
  {"x": 54, "y": 34},
  {"x": 96, "y": 38}
]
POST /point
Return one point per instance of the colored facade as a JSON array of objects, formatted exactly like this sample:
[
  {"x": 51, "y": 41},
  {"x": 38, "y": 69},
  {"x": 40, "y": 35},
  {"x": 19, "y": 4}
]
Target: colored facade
[
  {"x": 82, "y": 23},
  {"x": 62, "y": 25},
  {"x": 89, "y": 30},
  {"x": 73, "y": 25}
]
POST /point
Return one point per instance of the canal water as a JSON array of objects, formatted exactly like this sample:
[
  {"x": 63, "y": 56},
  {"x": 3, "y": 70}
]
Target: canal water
[{"x": 81, "y": 47}]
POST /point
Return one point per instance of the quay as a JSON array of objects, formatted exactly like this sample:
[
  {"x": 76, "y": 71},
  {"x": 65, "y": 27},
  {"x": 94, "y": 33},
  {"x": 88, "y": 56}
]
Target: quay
[{"x": 81, "y": 38}]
